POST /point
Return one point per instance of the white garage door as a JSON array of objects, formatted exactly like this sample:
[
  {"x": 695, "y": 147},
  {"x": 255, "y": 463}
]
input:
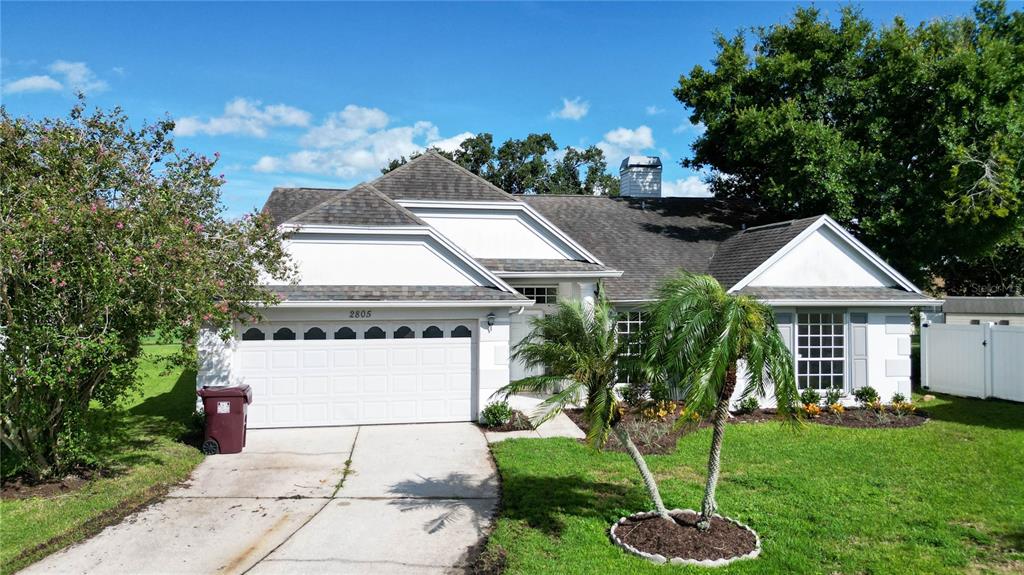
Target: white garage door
[{"x": 357, "y": 373}]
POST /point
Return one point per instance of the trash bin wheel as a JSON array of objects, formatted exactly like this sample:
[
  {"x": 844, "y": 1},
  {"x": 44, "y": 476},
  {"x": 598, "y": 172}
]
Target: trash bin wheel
[{"x": 211, "y": 447}]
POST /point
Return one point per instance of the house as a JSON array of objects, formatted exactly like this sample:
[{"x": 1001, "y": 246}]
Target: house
[
  {"x": 415, "y": 286},
  {"x": 979, "y": 310}
]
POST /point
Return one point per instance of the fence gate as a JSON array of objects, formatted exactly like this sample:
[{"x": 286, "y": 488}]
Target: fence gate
[{"x": 973, "y": 360}]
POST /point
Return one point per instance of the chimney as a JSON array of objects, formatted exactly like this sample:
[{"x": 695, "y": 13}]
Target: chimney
[{"x": 640, "y": 177}]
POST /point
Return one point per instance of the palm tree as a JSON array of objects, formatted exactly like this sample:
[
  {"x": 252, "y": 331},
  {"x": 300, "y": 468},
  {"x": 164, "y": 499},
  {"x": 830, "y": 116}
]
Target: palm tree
[
  {"x": 580, "y": 352},
  {"x": 694, "y": 336}
]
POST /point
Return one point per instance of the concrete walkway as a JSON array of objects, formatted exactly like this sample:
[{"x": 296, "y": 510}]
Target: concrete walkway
[
  {"x": 373, "y": 499},
  {"x": 558, "y": 426}
]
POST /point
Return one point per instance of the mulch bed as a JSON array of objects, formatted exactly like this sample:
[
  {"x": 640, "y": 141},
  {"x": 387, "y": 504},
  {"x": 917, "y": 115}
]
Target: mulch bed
[
  {"x": 518, "y": 422},
  {"x": 22, "y": 488},
  {"x": 868, "y": 419},
  {"x": 659, "y": 437},
  {"x": 724, "y": 540}
]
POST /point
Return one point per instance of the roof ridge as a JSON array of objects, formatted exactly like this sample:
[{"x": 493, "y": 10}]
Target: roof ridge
[
  {"x": 783, "y": 222},
  {"x": 449, "y": 163},
  {"x": 405, "y": 211}
]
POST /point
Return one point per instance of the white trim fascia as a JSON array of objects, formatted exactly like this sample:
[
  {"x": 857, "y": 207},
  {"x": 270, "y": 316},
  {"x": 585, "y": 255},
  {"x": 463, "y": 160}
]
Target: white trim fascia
[
  {"x": 825, "y": 220},
  {"x": 411, "y": 231},
  {"x": 402, "y": 303},
  {"x": 560, "y": 275},
  {"x": 515, "y": 205},
  {"x": 851, "y": 302}
]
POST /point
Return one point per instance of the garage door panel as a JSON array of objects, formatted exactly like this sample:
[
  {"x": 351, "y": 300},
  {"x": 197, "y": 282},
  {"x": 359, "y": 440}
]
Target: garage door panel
[{"x": 356, "y": 381}]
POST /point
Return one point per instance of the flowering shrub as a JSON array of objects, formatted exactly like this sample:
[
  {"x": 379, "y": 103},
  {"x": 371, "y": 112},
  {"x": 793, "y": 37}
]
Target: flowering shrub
[
  {"x": 658, "y": 410},
  {"x": 107, "y": 234},
  {"x": 812, "y": 410},
  {"x": 837, "y": 408}
]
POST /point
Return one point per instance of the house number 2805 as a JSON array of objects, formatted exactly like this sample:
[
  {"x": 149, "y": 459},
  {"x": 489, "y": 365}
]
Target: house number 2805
[{"x": 359, "y": 313}]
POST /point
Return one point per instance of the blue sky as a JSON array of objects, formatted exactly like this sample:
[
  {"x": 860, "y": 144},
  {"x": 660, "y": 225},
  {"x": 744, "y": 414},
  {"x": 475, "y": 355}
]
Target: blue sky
[{"x": 321, "y": 94}]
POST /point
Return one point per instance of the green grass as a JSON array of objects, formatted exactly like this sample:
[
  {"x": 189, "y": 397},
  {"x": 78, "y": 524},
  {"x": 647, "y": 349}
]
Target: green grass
[
  {"x": 144, "y": 455},
  {"x": 945, "y": 497}
]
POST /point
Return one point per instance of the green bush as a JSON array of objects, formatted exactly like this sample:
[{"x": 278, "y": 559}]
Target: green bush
[
  {"x": 833, "y": 396},
  {"x": 810, "y": 396},
  {"x": 748, "y": 404},
  {"x": 496, "y": 414},
  {"x": 109, "y": 234},
  {"x": 898, "y": 398},
  {"x": 634, "y": 394},
  {"x": 865, "y": 396}
]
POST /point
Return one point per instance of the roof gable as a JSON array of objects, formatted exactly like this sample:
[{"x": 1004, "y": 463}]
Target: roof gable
[
  {"x": 286, "y": 203},
  {"x": 360, "y": 206},
  {"x": 431, "y": 176},
  {"x": 747, "y": 249}
]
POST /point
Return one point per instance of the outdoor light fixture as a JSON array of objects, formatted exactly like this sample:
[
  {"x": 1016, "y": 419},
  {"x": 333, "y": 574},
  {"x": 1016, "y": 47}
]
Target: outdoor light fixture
[{"x": 490, "y": 319}]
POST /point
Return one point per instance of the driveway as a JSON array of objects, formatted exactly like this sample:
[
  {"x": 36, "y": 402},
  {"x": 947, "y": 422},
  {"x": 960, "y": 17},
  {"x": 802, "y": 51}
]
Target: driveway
[{"x": 371, "y": 499}]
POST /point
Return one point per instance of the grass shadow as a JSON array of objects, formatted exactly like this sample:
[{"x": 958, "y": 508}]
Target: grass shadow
[
  {"x": 991, "y": 413},
  {"x": 176, "y": 405},
  {"x": 543, "y": 501}
]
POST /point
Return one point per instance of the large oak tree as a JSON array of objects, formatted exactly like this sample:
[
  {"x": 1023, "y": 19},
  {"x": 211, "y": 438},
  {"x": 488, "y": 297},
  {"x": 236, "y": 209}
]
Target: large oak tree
[{"x": 911, "y": 136}]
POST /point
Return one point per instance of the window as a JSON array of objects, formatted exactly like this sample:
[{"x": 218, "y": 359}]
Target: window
[
  {"x": 253, "y": 334},
  {"x": 374, "y": 333},
  {"x": 404, "y": 332},
  {"x": 461, "y": 331},
  {"x": 314, "y": 333},
  {"x": 345, "y": 333},
  {"x": 975, "y": 322},
  {"x": 433, "y": 332},
  {"x": 540, "y": 294},
  {"x": 1004, "y": 322},
  {"x": 627, "y": 326},
  {"x": 821, "y": 350},
  {"x": 284, "y": 334}
]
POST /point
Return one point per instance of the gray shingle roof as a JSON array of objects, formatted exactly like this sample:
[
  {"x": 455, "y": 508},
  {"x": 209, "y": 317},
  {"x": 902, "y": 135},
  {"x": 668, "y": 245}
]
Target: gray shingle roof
[
  {"x": 360, "y": 206},
  {"x": 832, "y": 293},
  {"x": 648, "y": 239},
  {"x": 985, "y": 305},
  {"x": 540, "y": 265},
  {"x": 285, "y": 203},
  {"x": 327, "y": 293},
  {"x": 744, "y": 251},
  {"x": 434, "y": 177}
]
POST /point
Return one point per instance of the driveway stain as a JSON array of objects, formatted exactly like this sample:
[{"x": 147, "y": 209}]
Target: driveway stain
[{"x": 245, "y": 556}]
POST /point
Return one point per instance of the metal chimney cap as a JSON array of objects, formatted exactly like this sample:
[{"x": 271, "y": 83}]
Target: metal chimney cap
[{"x": 640, "y": 162}]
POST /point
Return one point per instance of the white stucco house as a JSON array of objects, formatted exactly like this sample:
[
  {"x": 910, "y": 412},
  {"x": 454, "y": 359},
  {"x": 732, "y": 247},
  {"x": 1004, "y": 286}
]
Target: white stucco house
[{"x": 415, "y": 286}]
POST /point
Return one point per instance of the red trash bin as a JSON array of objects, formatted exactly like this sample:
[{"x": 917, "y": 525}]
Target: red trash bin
[{"x": 225, "y": 409}]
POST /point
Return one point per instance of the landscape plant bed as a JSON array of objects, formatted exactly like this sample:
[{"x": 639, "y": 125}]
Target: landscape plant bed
[
  {"x": 869, "y": 419},
  {"x": 518, "y": 422},
  {"x": 659, "y": 436},
  {"x": 681, "y": 542},
  {"x": 23, "y": 488}
]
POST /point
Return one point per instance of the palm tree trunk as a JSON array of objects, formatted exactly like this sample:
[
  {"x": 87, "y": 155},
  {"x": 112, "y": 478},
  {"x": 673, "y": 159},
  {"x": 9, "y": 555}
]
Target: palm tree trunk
[
  {"x": 649, "y": 482},
  {"x": 708, "y": 506}
]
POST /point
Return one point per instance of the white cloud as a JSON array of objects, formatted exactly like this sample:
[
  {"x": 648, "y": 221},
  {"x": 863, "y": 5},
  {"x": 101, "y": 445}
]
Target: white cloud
[
  {"x": 572, "y": 109},
  {"x": 245, "y": 117},
  {"x": 32, "y": 84},
  {"x": 355, "y": 143},
  {"x": 698, "y": 128},
  {"x": 78, "y": 76},
  {"x": 689, "y": 187},
  {"x": 621, "y": 142},
  {"x": 451, "y": 144},
  {"x": 654, "y": 110}
]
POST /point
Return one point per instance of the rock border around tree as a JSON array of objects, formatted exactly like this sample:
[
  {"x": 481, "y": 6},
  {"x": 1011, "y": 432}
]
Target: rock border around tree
[{"x": 662, "y": 560}]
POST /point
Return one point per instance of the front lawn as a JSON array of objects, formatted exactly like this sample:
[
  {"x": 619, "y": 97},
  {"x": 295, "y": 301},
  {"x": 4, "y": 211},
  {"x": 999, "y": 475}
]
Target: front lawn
[
  {"x": 144, "y": 458},
  {"x": 945, "y": 497}
]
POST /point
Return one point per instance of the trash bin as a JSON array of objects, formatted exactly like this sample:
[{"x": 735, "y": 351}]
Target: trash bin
[{"x": 225, "y": 409}]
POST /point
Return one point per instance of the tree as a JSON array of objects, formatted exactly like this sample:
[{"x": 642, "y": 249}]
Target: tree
[
  {"x": 107, "y": 234},
  {"x": 525, "y": 166},
  {"x": 998, "y": 273},
  {"x": 580, "y": 352},
  {"x": 911, "y": 137},
  {"x": 694, "y": 337}
]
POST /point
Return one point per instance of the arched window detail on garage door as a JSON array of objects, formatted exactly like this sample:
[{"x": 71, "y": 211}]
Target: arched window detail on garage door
[
  {"x": 284, "y": 334},
  {"x": 433, "y": 332},
  {"x": 461, "y": 331},
  {"x": 404, "y": 332},
  {"x": 374, "y": 333},
  {"x": 345, "y": 333},
  {"x": 314, "y": 333},
  {"x": 253, "y": 334}
]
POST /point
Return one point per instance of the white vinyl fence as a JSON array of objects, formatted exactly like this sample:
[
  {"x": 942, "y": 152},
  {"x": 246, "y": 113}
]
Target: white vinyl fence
[{"x": 973, "y": 360}]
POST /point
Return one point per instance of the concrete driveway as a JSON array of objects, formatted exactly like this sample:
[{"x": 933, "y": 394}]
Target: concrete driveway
[{"x": 372, "y": 499}]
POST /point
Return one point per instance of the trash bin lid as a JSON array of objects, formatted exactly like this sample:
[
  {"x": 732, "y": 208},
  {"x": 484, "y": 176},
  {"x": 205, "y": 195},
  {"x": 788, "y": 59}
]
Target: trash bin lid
[{"x": 227, "y": 391}]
